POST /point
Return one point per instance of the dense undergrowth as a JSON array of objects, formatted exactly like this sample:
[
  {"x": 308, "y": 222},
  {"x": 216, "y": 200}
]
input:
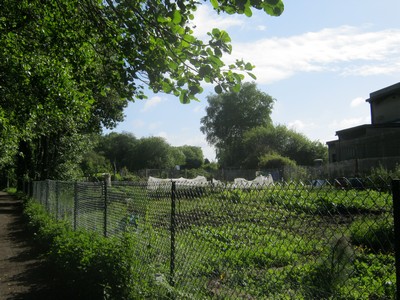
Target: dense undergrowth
[{"x": 89, "y": 265}]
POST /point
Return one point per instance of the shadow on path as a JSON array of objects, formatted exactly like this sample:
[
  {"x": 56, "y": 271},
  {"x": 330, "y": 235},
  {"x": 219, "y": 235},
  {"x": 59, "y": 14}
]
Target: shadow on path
[{"x": 23, "y": 272}]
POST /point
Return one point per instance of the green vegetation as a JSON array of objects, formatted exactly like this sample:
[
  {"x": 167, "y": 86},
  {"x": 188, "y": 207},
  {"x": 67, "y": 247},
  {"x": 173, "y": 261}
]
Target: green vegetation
[
  {"x": 283, "y": 241},
  {"x": 87, "y": 264},
  {"x": 68, "y": 68},
  {"x": 239, "y": 125}
]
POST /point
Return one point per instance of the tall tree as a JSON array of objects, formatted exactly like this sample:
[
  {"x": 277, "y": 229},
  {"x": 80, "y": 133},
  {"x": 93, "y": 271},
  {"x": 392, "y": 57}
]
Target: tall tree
[
  {"x": 68, "y": 67},
  {"x": 118, "y": 148},
  {"x": 194, "y": 157},
  {"x": 280, "y": 140},
  {"x": 155, "y": 153},
  {"x": 230, "y": 115}
]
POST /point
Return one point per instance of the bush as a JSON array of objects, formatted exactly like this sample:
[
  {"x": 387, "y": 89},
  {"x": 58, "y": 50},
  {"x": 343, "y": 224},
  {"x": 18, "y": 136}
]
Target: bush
[
  {"x": 374, "y": 234},
  {"x": 43, "y": 228},
  {"x": 89, "y": 265},
  {"x": 275, "y": 161},
  {"x": 324, "y": 278},
  {"x": 94, "y": 266}
]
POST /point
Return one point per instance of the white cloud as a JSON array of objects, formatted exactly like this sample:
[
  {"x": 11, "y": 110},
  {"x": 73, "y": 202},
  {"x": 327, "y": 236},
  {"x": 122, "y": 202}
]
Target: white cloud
[
  {"x": 163, "y": 134},
  {"x": 154, "y": 125},
  {"x": 205, "y": 23},
  {"x": 185, "y": 137},
  {"x": 299, "y": 125},
  {"x": 346, "y": 50},
  {"x": 261, "y": 27},
  {"x": 136, "y": 124},
  {"x": 151, "y": 103},
  {"x": 347, "y": 123},
  {"x": 390, "y": 66},
  {"x": 198, "y": 109},
  {"x": 357, "y": 102}
]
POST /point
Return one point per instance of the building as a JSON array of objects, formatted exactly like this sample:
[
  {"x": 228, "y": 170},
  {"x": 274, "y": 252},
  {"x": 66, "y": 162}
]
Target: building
[{"x": 360, "y": 148}]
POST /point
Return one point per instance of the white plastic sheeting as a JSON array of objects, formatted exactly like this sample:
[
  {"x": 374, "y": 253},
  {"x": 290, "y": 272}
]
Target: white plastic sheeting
[
  {"x": 154, "y": 183},
  {"x": 260, "y": 181}
]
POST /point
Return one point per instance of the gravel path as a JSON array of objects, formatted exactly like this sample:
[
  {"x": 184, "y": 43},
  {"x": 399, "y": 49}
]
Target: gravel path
[{"x": 23, "y": 274}]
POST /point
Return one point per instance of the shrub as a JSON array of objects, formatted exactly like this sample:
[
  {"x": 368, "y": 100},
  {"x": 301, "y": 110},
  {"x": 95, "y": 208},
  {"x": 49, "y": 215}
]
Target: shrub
[
  {"x": 89, "y": 265},
  {"x": 333, "y": 269},
  {"x": 373, "y": 233},
  {"x": 275, "y": 161}
]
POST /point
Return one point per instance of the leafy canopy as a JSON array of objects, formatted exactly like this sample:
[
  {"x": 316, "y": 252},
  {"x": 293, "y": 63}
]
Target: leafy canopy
[
  {"x": 263, "y": 142},
  {"x": 230, "y": 115},
  {"x": 69, "y": 67}
]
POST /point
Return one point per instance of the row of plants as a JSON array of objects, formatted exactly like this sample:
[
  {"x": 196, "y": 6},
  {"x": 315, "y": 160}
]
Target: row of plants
[
  {"x": 313, "y": 200},
  {"x": 275, "y": 243},
  {"x": 285, "y": 243}
]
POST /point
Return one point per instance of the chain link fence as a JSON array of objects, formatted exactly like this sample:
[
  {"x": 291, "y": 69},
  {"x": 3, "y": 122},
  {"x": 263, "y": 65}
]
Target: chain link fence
[{"x": 293, "y": 240}]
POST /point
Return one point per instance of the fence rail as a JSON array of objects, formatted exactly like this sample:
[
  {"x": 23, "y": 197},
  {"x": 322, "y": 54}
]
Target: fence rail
[{"x": 296, "y": 240}]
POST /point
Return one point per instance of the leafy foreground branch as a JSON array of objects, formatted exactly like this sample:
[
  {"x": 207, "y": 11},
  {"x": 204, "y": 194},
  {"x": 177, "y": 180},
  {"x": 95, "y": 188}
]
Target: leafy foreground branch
[{"x": 89, "y": 265}]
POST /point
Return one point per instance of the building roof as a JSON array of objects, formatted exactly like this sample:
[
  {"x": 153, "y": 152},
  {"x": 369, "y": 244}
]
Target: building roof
[
  {"x": 382, "y": 93},
  {"x": 360, "y": 130}
]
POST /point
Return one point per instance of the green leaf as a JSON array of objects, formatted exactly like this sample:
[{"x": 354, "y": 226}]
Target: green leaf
[
  {"x": 224, "y": 36},
  {"x": 216, "y": 62},
  {"x": 252, "y": 75},
  {"x": 215, "y": 4},
  {"x": 236, "y": 88},
  {"x": 218, "y": 52},
  {"x": 183, "y": 97},
  {"x": 204, "y": 71},
  {"x": 218, "y": 89},
  {"x": 278, "y": 11},
  {"x": 180, "y": 82},
  {"x": 273, "y": 10},
  {"x": 177, "y": 18},
  {"x": 248, "y": 67},
  {"x": 162, "y": 19},
  {"x": 215, "y": 32},
  {"x": 195, "y": 89},
  {"x": 247, "y": 11},
  {"x": 166, "y": 87}
]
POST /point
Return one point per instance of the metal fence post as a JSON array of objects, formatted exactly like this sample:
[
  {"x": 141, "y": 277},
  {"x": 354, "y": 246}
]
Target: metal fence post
[
  {"x": 105, "y": 183},
  {"x": 172, "y": 262},
  {"x": 47, "y": 199},
  {"x": 75, "y": 204},
  {"x": 57, "y": 199},
  {"x": 396, "y": 216}
]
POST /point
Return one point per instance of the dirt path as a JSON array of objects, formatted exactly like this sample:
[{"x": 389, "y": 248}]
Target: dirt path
[{"x": 22, "y": 273}]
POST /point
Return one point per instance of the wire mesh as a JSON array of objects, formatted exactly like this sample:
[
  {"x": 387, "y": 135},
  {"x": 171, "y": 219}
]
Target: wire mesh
[
  {"x": 296, "y": 240},
  {"x": 65, "y": 201},
  {"x": 89, "y": 207}
]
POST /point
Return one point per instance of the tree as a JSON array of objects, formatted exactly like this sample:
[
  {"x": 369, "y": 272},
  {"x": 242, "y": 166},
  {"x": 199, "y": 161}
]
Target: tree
[
  {"x": 155, "y": 153},
  {"x": 230, "y": 115},
  {"x": 95, "y": 163},
  {"x": 177, "y": 157},
  {"x": 118, "y": 148},
  {"x": 53, "y": 90},
  {"x": 268, "y": 140},
  {"x": 68, "y": 67},
  {"x": 193, "y": 157}
]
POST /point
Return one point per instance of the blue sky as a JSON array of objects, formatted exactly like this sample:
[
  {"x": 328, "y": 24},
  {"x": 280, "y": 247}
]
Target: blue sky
[{"x": 320, "y": 60}]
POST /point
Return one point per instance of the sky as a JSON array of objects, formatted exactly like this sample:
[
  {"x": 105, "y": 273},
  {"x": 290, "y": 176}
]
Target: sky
[{"x": 319, "y": 60}]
